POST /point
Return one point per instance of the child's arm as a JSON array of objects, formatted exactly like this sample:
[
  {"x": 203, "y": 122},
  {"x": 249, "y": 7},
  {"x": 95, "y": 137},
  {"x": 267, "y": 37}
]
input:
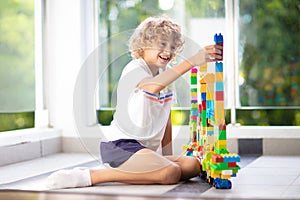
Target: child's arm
[
  {"x": 208, "y": 54},
  {"x": 167, "y": 139}
]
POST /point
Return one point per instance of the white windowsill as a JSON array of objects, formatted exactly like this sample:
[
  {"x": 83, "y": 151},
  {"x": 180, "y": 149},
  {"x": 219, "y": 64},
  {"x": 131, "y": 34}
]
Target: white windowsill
[
  {"x": 238, "y": 132},
  {"x": 15, "y": 137},
  {"x": 21, "y": 145},
  {"x": 27, "y": 144},
  {"x": 274, "y": 132}
]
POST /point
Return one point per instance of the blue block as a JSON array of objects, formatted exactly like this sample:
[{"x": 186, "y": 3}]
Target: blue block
[
  {"x": 194, "y": 112},
  {"x": 210, "y": 104},
  {"x": 228, "y": 158},
  {"x": 218, "y": 38},
  {"x": 210, "y": 133},
  {"x": 219, "y": 67},
  {"x": 203, "y": 96},
  {"x": 219, "y": 86},
  {"x": 222, "y": 183}
]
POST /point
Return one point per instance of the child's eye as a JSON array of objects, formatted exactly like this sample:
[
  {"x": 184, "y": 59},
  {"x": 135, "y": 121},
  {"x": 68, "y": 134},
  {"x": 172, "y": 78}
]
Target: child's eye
[{"x": 163, "y": 44}]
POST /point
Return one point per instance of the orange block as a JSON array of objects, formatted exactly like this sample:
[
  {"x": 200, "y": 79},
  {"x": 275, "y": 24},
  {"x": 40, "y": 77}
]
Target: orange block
[
  {"x": 203, "y": 87},
  {"x": 203, "y": 68},
  {"x": 219, "y": 105},
  {"x": 210, "y": 78},
  {"x": 219, "y": 77},
  {"x": 225, "y": 176}
]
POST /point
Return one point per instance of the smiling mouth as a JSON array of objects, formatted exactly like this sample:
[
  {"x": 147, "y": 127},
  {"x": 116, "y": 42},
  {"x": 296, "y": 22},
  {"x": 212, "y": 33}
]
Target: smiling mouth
[{"x": 164, "y": 58}]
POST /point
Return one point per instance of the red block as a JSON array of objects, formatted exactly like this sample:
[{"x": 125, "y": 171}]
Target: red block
[
  {"x": 216, "y": 158},
  {"x": 232, "y": 164},
  {"x": 222, "y": 127},
  {"x": 200, "y": 108},
  {"x": 203, "y": 105},
  {"x": 219, "y": 95}
]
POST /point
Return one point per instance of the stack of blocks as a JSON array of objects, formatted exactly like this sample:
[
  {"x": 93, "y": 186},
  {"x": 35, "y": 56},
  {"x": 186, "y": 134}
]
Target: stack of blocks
[{"x": 208, "y": 140}]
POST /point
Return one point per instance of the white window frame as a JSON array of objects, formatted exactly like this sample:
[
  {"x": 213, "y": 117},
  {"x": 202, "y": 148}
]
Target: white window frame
[{"x": 41, "y": 111}]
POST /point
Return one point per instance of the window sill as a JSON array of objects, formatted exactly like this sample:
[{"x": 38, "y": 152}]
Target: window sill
[
  {"x": 239, "y": 132},
  {"x": 271, "y": 137},
  {"x": 21, "y": 145}
]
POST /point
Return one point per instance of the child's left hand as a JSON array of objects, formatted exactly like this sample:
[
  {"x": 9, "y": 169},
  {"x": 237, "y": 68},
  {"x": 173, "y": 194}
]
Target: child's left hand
[
  {"x": 213, "y": 53},
  {"x": 210, "y": 53}
]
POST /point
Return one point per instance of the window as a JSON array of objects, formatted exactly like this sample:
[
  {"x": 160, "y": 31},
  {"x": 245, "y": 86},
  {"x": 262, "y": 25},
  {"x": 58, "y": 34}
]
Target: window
[
  {"x": 267, "y": 54},
  {"x": 118, "y": 19},
  {"x": 17, "y": 71}
]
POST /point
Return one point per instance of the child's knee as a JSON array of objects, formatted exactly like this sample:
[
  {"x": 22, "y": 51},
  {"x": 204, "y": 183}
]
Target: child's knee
[
  {"x": 192, "y": 164},
  {"x": 171, "y": 175}
]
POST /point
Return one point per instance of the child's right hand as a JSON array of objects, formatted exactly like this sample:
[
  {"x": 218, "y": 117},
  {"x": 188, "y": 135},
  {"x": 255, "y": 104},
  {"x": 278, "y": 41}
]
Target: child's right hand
[{"x": 210, "y": 53}]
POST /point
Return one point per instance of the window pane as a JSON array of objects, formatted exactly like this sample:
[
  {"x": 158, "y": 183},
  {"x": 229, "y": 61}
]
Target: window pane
[
  {"x": 269, "y": 48},
  {"x": 17, "y": 55},
  {"x": 118, "y": 19},
  {"x": 269, "y": 117},
  {"x": 17, "y": 78}
]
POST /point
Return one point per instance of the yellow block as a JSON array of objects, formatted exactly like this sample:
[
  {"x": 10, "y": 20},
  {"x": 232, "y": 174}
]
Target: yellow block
[
  {"x": 219, "y": 118},
  {"x": 210, "y": 139},
  {"x": 219, "y": 111},
  {"x": 225, "y": 176},
  {"x": 203, "y": 87},
  {"x": 193, "y": 94},
  {"x": 203, "y": 68},
  {"x": 219, "y": 105},
  {"x": 210, "y": 96},
  {"x": 216, "y": 175},
  {"x": 220, "y": 144},
  {"x": 210, "y": 128},
  {"x": 210, "y": 78},
  {"x": 220, "y": 121},
  {"x": 219, "y": 77}
]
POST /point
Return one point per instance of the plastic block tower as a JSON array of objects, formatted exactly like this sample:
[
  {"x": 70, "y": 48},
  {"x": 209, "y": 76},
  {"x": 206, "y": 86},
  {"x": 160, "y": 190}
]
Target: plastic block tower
[{"x": 208, "y": 140}]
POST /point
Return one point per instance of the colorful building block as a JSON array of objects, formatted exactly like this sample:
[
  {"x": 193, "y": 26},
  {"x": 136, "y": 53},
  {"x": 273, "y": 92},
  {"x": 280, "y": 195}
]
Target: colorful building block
[{"x": 208, "y": 140}]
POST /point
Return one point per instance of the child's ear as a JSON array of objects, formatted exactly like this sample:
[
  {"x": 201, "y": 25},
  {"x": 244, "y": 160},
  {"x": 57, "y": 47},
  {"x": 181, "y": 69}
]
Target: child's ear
[{"x": 141, "y": 52}]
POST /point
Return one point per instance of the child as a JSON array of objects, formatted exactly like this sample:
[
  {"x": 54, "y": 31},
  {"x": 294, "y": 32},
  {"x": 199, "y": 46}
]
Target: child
[{"x": 139, "y": 147}]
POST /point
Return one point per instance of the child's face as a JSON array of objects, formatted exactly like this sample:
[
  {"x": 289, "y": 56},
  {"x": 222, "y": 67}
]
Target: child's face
[{"x": 160, "y": 54}]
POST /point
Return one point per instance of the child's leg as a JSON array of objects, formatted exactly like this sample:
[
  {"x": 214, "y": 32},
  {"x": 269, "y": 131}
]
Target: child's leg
[
  {"x": 190, "y": 166},
  {"x": 144, "y": 167}
]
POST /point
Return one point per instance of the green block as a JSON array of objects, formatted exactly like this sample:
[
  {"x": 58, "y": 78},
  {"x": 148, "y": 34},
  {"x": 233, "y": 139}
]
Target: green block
[
  {"x": 194, "y": 90},
  {"x": 219, "y": 166},
  {"x": 222, "y": 135},
  {"x": 193, "y": 80},
  {"x": 194, "y": 105},
  {"x": 220, "y": 151},
  {"x": 203, "y": 118}
]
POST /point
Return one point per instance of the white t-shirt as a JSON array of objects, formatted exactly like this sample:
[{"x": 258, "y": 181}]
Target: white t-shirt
[{"x": 140, "y": 115}]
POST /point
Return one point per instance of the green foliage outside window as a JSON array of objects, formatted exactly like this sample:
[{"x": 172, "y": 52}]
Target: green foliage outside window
[
  {"x": 270, "y": 51},
  {"x": 17, "y": 78},
  {"x": 268, "y": 54}
]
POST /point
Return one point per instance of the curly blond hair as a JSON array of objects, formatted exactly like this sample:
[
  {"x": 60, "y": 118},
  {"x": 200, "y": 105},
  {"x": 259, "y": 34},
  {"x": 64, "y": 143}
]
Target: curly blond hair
[{"x": 153, "y": 29}]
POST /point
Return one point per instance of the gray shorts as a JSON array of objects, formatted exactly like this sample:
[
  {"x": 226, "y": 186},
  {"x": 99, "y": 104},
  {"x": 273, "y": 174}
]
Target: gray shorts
[{"x": 117, "y": 152}]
